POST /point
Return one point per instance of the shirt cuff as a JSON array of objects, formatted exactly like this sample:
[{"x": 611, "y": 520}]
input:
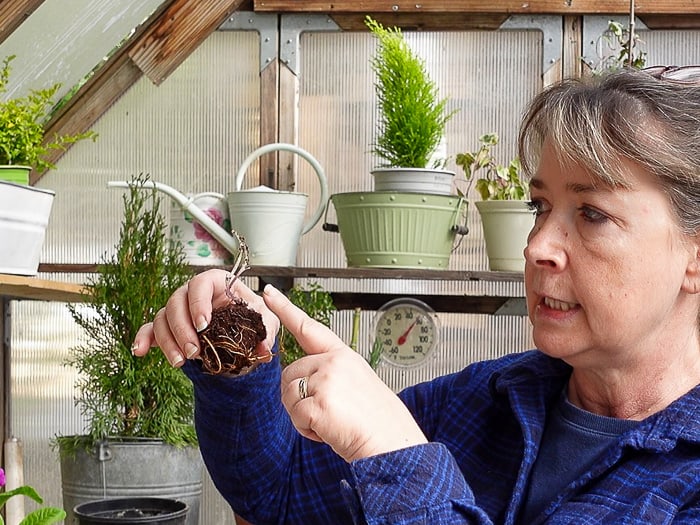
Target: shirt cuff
[
  {"x": 416, "y": 481},
  {"x": 234, "y": 390}
]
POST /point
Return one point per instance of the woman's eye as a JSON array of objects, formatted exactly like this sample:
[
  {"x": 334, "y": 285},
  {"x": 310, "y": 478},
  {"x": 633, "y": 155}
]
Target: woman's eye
[
  {"x": 536, "y": 205},
  {"x": 592, "y": 215}
]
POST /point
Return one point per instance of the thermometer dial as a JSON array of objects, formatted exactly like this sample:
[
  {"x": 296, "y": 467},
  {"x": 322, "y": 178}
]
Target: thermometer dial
[{"x": 407, "y": 331}]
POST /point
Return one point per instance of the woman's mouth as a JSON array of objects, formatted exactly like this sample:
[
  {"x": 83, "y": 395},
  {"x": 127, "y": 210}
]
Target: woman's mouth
[{"x": 556, "y": 304}]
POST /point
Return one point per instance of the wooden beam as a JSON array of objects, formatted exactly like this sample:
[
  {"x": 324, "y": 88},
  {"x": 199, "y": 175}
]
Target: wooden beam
[
  {"x": 90, "y": 103},
  {"x": 21, "y": 287},
  {"x": 171, "y": 39},
  {"x": 687, "y": 21},
  {"x": 419, "y": 21},
  {"x": 531, "y": 7},
  {"x": 13, "y": 13}
]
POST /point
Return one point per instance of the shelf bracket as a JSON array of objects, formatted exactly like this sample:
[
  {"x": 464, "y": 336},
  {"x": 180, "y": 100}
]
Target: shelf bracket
[{"x": 264, "y": 24}]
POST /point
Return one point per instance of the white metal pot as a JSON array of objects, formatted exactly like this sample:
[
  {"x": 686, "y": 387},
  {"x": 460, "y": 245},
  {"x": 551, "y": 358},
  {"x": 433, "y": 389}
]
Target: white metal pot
[
  {"x": 414, "y": 180},
  {"x": 24, "y": 216}
]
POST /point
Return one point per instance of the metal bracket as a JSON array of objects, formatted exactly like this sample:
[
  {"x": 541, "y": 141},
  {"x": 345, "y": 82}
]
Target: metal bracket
[
  {"x": 552, "y": 30},
  {"x": 594, "y": 27},
  {"x": 513, "y": 306},
  {"x": 266, "y": 26},
  {"x": 291, "y": 28}
]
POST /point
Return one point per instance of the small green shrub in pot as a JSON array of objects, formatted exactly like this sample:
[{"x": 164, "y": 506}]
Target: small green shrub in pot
[
  {"x": 412, "y": 116},
  {"x": 22, "y": 120}
]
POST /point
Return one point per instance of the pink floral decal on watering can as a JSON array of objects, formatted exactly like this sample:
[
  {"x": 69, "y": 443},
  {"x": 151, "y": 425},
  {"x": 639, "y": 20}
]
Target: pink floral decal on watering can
[
  {"x": 200, "y": 247},
  {"x": 204, "y": 243}
]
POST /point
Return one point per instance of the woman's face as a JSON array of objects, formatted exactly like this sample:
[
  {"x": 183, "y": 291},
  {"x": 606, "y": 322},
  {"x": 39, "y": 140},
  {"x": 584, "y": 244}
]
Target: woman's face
[{"x": 606, "y": 268}]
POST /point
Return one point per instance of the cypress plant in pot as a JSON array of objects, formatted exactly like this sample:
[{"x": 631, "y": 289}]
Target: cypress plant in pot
[
  {"x": 412, "y": 118},
  {"x": 411, "y": 218},
  {"x": 140, "y": 437},
  {"x": 506, "y": 217}
]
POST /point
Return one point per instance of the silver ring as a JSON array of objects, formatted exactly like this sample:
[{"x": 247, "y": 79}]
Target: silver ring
[{"x": 303, "y": 391}]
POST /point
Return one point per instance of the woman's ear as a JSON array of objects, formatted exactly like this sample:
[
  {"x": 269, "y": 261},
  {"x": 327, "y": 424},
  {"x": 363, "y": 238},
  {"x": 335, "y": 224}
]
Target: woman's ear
[{"x": 691, "y": 283}]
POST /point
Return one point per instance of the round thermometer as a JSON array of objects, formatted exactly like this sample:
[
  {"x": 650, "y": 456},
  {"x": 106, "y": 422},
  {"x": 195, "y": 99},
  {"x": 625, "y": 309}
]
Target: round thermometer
[{"x": 407, "y": 331}]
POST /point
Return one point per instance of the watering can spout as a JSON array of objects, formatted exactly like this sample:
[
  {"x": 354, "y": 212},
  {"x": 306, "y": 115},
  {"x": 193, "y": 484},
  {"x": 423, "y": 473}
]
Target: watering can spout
[{"x": 186, "y": 203}]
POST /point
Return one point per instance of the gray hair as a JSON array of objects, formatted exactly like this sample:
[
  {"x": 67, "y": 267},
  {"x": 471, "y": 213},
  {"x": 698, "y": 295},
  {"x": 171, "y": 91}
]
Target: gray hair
[{"x": 596, "y": 121}]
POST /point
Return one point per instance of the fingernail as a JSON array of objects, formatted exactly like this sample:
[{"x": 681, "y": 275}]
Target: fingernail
[
  {"x": 177, "y": 360},
  {"x": 270, "y": 290},
  {"x": 190, "y": 350},
  {"x": 134, "y": 347},
  {"x": 201, "y": 324}
]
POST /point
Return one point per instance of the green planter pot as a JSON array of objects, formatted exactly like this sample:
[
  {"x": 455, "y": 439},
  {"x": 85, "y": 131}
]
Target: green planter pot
[
  {"x": 506, "y": 225},
  {"x": 399, "y": 230},
  {"x": 16, "y": 174}
]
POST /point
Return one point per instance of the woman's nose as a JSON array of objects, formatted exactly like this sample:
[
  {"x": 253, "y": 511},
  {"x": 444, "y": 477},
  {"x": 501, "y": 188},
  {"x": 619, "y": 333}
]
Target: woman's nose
[{"x": 546, "y": 244}]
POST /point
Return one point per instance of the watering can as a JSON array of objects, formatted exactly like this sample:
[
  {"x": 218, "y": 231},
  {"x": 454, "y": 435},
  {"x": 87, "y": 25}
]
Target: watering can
[{"x": 271, "y": 221}]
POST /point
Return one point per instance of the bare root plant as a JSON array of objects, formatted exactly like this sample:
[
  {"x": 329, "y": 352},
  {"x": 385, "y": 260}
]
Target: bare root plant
[{"x": 229, "y": 342}]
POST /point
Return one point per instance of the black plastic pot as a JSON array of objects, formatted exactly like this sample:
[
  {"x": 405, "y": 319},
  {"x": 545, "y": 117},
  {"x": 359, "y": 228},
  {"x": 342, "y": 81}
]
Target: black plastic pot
[{"x": 132, "y": 511}]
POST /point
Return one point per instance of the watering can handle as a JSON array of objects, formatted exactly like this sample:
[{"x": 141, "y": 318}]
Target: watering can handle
[{"x": 323, "y": 199}]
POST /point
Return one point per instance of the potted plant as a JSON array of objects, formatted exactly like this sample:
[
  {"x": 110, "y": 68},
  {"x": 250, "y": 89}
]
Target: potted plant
[
  {"x": 22, "y": 141},
  {"x": 412, "y": 118},
  {"x": 505, "y": 215},
  {"x": 140, "y": 438},
  {"x": 411, "y": 218}
]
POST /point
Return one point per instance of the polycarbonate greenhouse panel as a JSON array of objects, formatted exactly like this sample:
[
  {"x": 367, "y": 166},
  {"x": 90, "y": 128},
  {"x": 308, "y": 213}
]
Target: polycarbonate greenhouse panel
[{"x": 63, "y": 40}]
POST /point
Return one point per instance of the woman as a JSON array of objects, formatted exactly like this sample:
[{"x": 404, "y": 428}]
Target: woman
[{"x": 599, "y": 424}]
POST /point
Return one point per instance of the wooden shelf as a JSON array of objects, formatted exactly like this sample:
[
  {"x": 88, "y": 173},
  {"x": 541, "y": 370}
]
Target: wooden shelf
[
  {"x": 21, "y": 287},
  {"x": 295, "y": 272},
  {"x": 283, "y": 276}
]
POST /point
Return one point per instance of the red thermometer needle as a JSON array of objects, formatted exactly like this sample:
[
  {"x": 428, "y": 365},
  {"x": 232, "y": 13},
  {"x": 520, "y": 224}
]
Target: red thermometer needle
[{"x": 402, "y": 338}]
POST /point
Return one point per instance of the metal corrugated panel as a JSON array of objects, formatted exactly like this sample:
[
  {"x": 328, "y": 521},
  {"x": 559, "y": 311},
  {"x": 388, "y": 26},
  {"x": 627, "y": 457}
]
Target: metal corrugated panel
[{"x": 63, "y": 40}]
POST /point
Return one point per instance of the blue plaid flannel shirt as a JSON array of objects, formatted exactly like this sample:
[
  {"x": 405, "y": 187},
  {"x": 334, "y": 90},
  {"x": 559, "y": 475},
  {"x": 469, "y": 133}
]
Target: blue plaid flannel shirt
[{"x": 484, "y": 424}]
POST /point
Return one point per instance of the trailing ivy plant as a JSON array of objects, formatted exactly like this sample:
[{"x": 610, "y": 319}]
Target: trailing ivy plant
[
  {"x": 22, "y": 120},
  {"x": 412, "y": 116},
  {"x": 497, "y": 182},
  {"x": 119, "y": 394}
]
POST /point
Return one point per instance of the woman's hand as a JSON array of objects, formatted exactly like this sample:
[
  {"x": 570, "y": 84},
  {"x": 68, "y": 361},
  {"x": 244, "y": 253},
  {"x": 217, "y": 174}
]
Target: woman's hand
[
  {"x": 346, "y": 405},
  {"x": 188, "y": 311}
]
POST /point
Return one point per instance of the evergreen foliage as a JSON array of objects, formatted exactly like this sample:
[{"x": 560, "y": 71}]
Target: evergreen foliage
[
  {"x": 122, "y": 395},
  {"x": 412, "y": 116}
]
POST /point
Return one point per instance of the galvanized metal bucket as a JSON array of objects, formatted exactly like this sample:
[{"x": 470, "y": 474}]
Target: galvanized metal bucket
[{"x": 132, "y": 468}]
